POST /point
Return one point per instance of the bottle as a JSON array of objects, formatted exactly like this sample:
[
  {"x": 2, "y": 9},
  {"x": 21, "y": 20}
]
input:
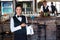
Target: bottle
[{"x": 45, "y": 14}]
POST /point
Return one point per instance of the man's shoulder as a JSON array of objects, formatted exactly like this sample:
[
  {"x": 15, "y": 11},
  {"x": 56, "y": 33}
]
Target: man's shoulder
[
  {"x": 46, "y": 6},
  {"x": 52, "y": 5},
  {"x": 41, "y": 5}
]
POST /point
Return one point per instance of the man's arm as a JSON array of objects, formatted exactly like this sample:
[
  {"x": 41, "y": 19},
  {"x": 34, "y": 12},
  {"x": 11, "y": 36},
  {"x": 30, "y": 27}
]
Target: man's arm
[{"x": 41, "y": 9}]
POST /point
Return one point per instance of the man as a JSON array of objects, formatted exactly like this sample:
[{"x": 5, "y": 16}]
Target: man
[
  {"x": 18, "y": 24},
  {"x": 53, "y": 8},
  {"x": 44, "y": 8}
]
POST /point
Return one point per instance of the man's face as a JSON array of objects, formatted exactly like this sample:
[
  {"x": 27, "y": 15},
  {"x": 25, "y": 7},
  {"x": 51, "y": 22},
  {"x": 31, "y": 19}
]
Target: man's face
[
  {"x": 18, "y": 10},
  {"x": 44, "y": 3}
]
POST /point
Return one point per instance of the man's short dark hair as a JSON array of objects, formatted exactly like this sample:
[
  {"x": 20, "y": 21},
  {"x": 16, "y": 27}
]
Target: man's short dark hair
[
  {"x": 18, "y": 5},
  {"x": 44, "y": 1},
  {"x": 51, "y": 2}
]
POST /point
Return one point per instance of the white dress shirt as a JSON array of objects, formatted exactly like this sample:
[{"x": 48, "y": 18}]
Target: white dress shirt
[
  {"x": 13, "y": 29},
  {"x": 41, "y": 9}
]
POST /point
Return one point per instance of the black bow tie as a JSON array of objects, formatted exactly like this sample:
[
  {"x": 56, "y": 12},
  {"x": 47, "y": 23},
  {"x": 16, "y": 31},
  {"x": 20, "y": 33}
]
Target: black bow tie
[{"x": 18, "y": 16}]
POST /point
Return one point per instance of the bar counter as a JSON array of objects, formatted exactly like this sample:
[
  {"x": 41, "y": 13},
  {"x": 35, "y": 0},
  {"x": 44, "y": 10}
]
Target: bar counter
[{"x": 44, "y": 27}]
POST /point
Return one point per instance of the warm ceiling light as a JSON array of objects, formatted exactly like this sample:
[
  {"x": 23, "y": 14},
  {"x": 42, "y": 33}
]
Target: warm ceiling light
[{"x": 39, "y": 0}]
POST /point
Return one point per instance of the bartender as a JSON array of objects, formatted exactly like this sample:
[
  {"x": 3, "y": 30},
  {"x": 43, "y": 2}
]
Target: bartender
[{"x": 45, "y": 8}]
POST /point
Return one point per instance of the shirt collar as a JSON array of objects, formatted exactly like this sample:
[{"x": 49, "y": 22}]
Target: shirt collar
[
  {"x": 17, "y": 15},
  {"x": 46, "y": 6}
]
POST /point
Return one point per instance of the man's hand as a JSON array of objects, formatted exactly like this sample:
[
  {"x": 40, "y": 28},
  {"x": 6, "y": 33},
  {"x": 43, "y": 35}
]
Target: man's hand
[{"x": 23, "y": 25}]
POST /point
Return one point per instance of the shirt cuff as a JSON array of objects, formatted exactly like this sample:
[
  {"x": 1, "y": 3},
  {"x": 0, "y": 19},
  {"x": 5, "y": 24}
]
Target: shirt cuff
[{"x": 18, "y": 27}]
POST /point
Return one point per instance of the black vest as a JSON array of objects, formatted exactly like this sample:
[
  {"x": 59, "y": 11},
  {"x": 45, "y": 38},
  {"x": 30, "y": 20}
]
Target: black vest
[
  {"x": 45, "y": 10},
  {"x": 17, "y": 22},
  {"x": 20, "y": 34}
]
